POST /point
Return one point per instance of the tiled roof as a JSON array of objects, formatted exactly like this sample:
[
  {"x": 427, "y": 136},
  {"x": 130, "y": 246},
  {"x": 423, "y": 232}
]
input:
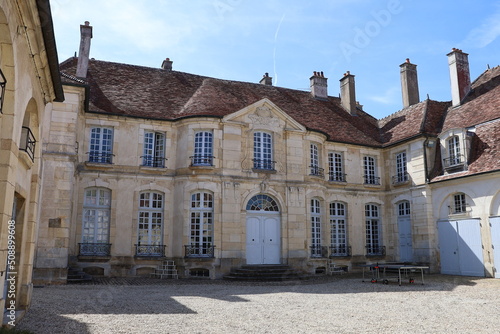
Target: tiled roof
[{"x": 155, "y": 93}]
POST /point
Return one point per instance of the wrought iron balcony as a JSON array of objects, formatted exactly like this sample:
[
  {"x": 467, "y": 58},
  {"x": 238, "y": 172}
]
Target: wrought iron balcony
[
  {"x": 337, "y": 177},
  {"x": 340, "y": 251},
  {"x": 3, "y": 83},
  {"x": 199, "y": 251},
  {"x": 263, "y": 164},
  {"x": 400, "y": 178},
  {"x": 156, "y": 162},
  {"x": 370, "y": 179},
  {"x": 454, "y": 161},
  {"x": 150, "y": 250},
  {"x": 28, "y": 142},
  {"x": 317, "y": 171},
  {"x": 202, "y": 160},
  {"x": 319, "y": 251},
  {"x": 94, "y": 249},
  {"x": 101, "y": 157},
  {"x": 375, "y": 250}
]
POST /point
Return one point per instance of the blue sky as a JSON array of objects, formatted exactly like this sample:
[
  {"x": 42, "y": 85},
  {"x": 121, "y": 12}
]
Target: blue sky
[{"x": 242, "y": 39}]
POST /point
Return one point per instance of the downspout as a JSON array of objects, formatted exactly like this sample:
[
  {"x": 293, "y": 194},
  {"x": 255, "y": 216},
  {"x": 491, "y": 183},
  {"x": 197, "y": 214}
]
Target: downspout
[{"x": 425, "y": 160}]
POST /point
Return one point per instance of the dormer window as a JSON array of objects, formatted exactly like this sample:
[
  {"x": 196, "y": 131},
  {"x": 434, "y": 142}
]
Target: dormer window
[{"x": 455, "y": 160}]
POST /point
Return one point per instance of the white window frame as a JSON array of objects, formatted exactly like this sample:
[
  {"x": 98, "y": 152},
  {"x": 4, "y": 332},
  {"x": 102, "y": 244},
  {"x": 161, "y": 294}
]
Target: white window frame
[
  {"x": 315, "y": 168},
  {"x": 370, "y": 169},
  {"x": 459, "y": 203},
  {"x": 454, "y": 153},
  {"x": 338, "y": 229},
  {"x": 96, "y": 215},
  {"x": 316, "y": 244},
  {"x": 101, "y": 145},
  {"x": 201, "y": 222},
  {"x": 401, "y": 168},
  {"x": 150, "y": 223},
  {"x": 404, "y": 209},
  {"x": 203, "y": 148},
  {"x": 373, "y": 229},
  {"x": 336, "y": 167},
  {"x": 263, "y": 151},
  {"x": 154, "y": 149}
]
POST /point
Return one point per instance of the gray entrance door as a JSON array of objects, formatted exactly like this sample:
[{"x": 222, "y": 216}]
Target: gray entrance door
[
  {"x": 263, "y": 238},
  {"x": 495, "y": 241},
  {"x": 405, "y": 239},
  {"x": 460, "y": 247}
]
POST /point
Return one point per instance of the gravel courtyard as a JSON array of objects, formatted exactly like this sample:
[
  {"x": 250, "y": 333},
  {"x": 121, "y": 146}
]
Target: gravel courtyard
[{"x": 338, "y": 304}]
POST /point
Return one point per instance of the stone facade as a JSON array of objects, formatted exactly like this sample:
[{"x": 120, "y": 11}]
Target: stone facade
[
  {"x": 28, "y": 62},
  {"x": 215, "y": 174}
]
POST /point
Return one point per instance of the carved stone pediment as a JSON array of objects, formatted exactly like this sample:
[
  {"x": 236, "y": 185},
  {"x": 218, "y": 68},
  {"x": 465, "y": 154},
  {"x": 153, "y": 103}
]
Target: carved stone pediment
[{"x": 263, "y": 118}]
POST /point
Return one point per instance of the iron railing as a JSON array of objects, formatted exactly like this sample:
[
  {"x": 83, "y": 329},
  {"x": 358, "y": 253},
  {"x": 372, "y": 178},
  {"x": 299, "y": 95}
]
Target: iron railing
[
  {"x": 400, "y": 178},
  {"x": 94, "y": 249},
  {"x": 150, "y": 250},
  {"x": 337, "y": 177},
  {"x": 28, "y": 142},
  {"x": 340, "y": 251},
  {"x": 199, "y": 251},
  {"x": 375, "y": 250},
  {"x": 3, "y": 82},
  {"x": 456, "y": 160},
  {"x": 150, "y": 161},
  {"x": 370, "y": 179},
  {"x": 317, "y": 171},
  {"x": 263, "y": 164},
  {"x": 319, "y": 251},
  {"x": 101, "y": 157},
  {"x": 202, "y": 160}
]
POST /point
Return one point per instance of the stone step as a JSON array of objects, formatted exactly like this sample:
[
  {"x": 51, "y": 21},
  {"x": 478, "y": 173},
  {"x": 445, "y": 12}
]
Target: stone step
[{"x": 266, "y": 273}]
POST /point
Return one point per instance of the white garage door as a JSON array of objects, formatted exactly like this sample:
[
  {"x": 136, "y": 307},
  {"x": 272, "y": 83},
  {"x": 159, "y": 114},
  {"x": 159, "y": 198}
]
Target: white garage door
[
  {"x": 461, "y": 247},
  {"x": 495, "y": 241}
]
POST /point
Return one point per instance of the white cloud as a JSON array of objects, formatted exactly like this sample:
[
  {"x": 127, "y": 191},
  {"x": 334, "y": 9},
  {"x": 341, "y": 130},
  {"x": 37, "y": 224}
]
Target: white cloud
[{"x": 486, "y": 33}]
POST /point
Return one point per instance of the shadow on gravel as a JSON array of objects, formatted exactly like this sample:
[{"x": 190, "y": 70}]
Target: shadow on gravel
[{"x": 63, "y": 309}]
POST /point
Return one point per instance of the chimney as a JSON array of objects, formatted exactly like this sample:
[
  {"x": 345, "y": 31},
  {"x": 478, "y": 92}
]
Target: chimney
[
  {"x": 319, "y": 87},
  {"x": 348, "y": 93},
  {"x": 83, "y": 55},
  {"x": 167, "y": 64},
  {"x": 266, "y": 80},
  {"x": 409, "y": 83},
  {"x": 458, "y": 62}
]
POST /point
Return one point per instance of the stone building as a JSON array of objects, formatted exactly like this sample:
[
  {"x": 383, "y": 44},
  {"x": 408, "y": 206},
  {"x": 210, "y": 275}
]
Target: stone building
[
  {"x": 147, "y": 164},
  {"x": 29, "y": 80}
]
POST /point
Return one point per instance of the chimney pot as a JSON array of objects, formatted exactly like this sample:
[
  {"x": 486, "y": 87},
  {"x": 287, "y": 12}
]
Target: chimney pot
[
  {"x": 458, "y": 62},
  {"x": 409, "y": 83},
  {"x": 84, "y": 51},
  {"x": 266, "y": 80},
  {"x": 348, "y": 93},
  {"x": 167, "y": 64},
  {"x": 319, "y": 86}
]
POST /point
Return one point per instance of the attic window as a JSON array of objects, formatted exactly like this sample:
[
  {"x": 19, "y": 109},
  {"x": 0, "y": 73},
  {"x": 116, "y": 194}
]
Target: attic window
[
  {"x": 3, "y": 82},
  {"x": 455, "y": 161}
]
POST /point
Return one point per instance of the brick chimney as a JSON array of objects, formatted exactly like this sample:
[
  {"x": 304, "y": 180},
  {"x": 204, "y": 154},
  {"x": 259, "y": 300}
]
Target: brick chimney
[
  {"x": 319, "y": 87},
  {"x": 266, "y": 80},
  {"x": 83, "y": 54},
  {"x": 167, "y": 64},
  {"x": 348, "y": 93},
  {"x": 409, "y": 83},
  {"x": 458, "y": 62}
]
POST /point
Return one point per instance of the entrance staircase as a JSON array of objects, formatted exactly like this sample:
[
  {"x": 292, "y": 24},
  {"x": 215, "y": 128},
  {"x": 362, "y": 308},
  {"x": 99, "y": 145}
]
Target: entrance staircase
[
  {"x": 75, "y": 275},
  {"x": 166, "y": 270},
  {"x": 266, "y": 272}
]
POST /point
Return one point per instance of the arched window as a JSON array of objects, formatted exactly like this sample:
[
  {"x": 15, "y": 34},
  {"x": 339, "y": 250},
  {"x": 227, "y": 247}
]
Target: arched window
[
  {"x": 201, "y": 226},
  {"x": 404, "y": 208},
  {"x": 338, "y": 229},
  {"x": 150, "y": 227},
  {"x": 373, "y": 230},
  {"x": 459, "y": 204},
  {"x": 316, "y": 249},
  {"x": 95, "y": 224},
  {"x": 262, "y": 203}
]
